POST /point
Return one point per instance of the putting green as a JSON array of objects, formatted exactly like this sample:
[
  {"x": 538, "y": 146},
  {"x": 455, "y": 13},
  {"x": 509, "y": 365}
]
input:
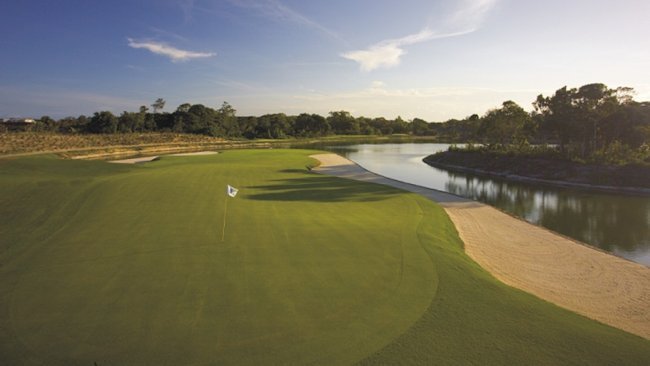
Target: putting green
[{"x": 125, "y": 265}]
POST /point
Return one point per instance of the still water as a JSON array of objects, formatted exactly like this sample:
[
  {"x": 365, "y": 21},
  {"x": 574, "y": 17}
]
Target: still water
[{"x": 619, "y": 224}]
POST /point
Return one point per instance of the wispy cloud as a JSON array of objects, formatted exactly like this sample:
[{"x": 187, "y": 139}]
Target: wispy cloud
[
  {"x": 275, "y": 10},
  {"x": 175, "y": 54},
  {"x": 388, "y": 53},
  {"x": 470, "y": 14}
]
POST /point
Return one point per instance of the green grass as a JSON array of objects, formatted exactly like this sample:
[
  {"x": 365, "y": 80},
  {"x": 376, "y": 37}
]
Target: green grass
[{"x": 125, "y": 265}]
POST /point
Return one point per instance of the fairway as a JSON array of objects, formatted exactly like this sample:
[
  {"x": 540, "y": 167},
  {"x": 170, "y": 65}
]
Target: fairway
[{"x": 125, "y": 264}]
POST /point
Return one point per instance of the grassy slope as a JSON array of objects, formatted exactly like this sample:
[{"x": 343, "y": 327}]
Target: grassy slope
[{"x": 125, "y": 264}]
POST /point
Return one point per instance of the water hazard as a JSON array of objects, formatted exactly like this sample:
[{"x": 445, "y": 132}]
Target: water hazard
[{"x": 619, "y": 224}]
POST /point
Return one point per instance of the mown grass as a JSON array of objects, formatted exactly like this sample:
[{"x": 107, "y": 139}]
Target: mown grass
[{"x": 123, "y": 265}]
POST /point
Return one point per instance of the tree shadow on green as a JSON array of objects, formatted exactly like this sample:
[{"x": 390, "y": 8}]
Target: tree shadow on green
[{"x": 321, "y": 189}]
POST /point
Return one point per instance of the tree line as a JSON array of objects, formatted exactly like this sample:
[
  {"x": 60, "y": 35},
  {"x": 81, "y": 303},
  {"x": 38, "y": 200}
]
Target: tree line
[
  {"x": 223, "y": 122},
  {"x": 582, "y": 122},
  {"x": 589, "y": 123}
]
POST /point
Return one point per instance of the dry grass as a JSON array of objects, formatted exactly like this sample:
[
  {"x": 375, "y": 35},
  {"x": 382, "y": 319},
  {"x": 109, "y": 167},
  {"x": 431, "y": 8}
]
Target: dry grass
[
  {"x": 30, "y": 142},
  {"x": 115, "y": 146}
]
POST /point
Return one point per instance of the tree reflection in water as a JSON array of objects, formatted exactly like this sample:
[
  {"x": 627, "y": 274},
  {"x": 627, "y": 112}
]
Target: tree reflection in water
[
  {"x": 616, "y": 223},
  {"x": 613, "y": 222}
]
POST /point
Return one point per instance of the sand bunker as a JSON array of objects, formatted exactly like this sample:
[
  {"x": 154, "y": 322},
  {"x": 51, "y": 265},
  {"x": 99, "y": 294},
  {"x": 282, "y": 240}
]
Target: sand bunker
[
  {"x": 196, "y": 153},
  {"x": 565, "y": 272},
  {"x": 152, "y": 158},
  {"x": 135, "y": 160}
]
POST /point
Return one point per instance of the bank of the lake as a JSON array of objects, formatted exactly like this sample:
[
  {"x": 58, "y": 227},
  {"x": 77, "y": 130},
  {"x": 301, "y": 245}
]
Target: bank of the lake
[
  {"x": 614, "y": 222},
  {"x": 550, "y": 266},
  {"x": 633, "y": 179}
]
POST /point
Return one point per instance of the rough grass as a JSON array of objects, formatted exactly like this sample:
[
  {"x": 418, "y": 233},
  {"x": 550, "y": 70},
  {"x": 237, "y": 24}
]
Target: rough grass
[
  {"x": 26, "y": 142},
  {"x": 123, "y": 265}
]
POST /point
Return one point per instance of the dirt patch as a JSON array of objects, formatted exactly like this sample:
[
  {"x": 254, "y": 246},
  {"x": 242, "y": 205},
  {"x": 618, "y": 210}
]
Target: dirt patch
[{"x": 565, "y": 272}]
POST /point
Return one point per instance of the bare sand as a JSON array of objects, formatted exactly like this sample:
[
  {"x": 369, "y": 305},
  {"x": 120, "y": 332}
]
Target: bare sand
[
  {"x": 145, "y": 159},
  {"x": 557, "y": 269},
  {"x": 196, "y": 153}
]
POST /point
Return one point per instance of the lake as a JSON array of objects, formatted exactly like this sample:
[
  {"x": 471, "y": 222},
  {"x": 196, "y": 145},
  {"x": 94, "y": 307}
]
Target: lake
[{"x": 616, "y": 223}]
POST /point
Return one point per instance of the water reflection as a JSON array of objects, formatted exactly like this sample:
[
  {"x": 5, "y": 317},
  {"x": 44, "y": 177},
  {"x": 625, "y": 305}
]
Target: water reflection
[{"x": 616, "y": 223}]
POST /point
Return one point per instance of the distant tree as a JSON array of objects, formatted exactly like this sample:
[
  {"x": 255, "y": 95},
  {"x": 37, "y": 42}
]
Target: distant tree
[
  {"x": 202, "y": 120},
  {"x": 382, "y": 125},
  {"x": 581, "y": 118},
  {"x": 399, "y": 125},
  {"x": 365, "y": 126},
  {"x": 507, "y": 125},
  {"x": 310, "y": 125},
  {"x": 46, "y": 123},
  {"x": 274, "y": 126},
  {"x": 103, "y": 122},
  {"x": 419, "y": 127},
  {"x": 82, "y": 123},
  {"x": 342, "y": 123},
  {"x": 179, "y": 117},
  {"x": 248, "y": 126},
  {"x": 126, "y": 122},
  {"x": 158, "y": 105},
  {"x": 184, "y": 108},
  {"x": 226, "y": 116},
  {"x": 629, "y": 124}
]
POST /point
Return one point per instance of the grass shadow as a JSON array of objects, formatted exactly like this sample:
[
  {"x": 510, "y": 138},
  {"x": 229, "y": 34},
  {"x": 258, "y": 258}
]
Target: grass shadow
[{"x": 319, "y": 188}]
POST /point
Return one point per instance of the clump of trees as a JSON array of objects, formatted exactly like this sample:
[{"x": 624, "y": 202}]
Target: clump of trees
[{"x": 594, "y": 121}]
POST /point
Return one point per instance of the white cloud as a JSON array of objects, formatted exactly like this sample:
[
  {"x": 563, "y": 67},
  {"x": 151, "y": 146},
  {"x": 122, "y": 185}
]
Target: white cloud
[
  {"x": 388, "y": 53},
  {"x": 376, "y": 57},
  {"x": 175, "y": 54}
]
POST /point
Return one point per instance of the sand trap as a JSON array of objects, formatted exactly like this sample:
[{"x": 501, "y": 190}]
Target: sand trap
[
  {"x": 196, "y": 153},
  {"x": 565, "y": 272},
  {"x": 134, "y": 160},
  {"x": 152, "y": 158}
]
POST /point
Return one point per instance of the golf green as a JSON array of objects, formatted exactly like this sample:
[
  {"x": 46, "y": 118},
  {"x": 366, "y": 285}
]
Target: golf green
[{"x": 130, "y": 264}]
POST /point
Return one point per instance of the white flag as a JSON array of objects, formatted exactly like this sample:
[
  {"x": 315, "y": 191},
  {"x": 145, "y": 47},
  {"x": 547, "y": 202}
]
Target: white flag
[{"x": 232, "y": 191}]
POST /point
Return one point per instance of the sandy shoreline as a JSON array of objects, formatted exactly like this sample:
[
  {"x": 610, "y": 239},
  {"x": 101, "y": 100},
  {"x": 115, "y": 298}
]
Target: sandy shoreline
[{"x": 565, "y": 272}]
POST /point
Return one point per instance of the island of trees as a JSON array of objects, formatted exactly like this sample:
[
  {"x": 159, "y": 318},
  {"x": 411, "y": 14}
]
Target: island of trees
[{"x": 589, "y": 136}]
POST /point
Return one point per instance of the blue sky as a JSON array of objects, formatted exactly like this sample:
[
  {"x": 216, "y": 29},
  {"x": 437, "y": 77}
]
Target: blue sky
[{"x": 435, "y": 59}]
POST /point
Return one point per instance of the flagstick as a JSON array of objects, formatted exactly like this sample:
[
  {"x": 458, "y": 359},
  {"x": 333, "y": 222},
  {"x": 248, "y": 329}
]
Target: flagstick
[{"x": 225, "y": 211}]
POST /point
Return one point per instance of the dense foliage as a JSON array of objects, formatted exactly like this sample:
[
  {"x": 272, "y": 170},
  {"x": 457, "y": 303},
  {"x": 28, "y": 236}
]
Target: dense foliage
[
  {"x": 590, "y": 123},
  {"x": 223, "y": 122}
]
